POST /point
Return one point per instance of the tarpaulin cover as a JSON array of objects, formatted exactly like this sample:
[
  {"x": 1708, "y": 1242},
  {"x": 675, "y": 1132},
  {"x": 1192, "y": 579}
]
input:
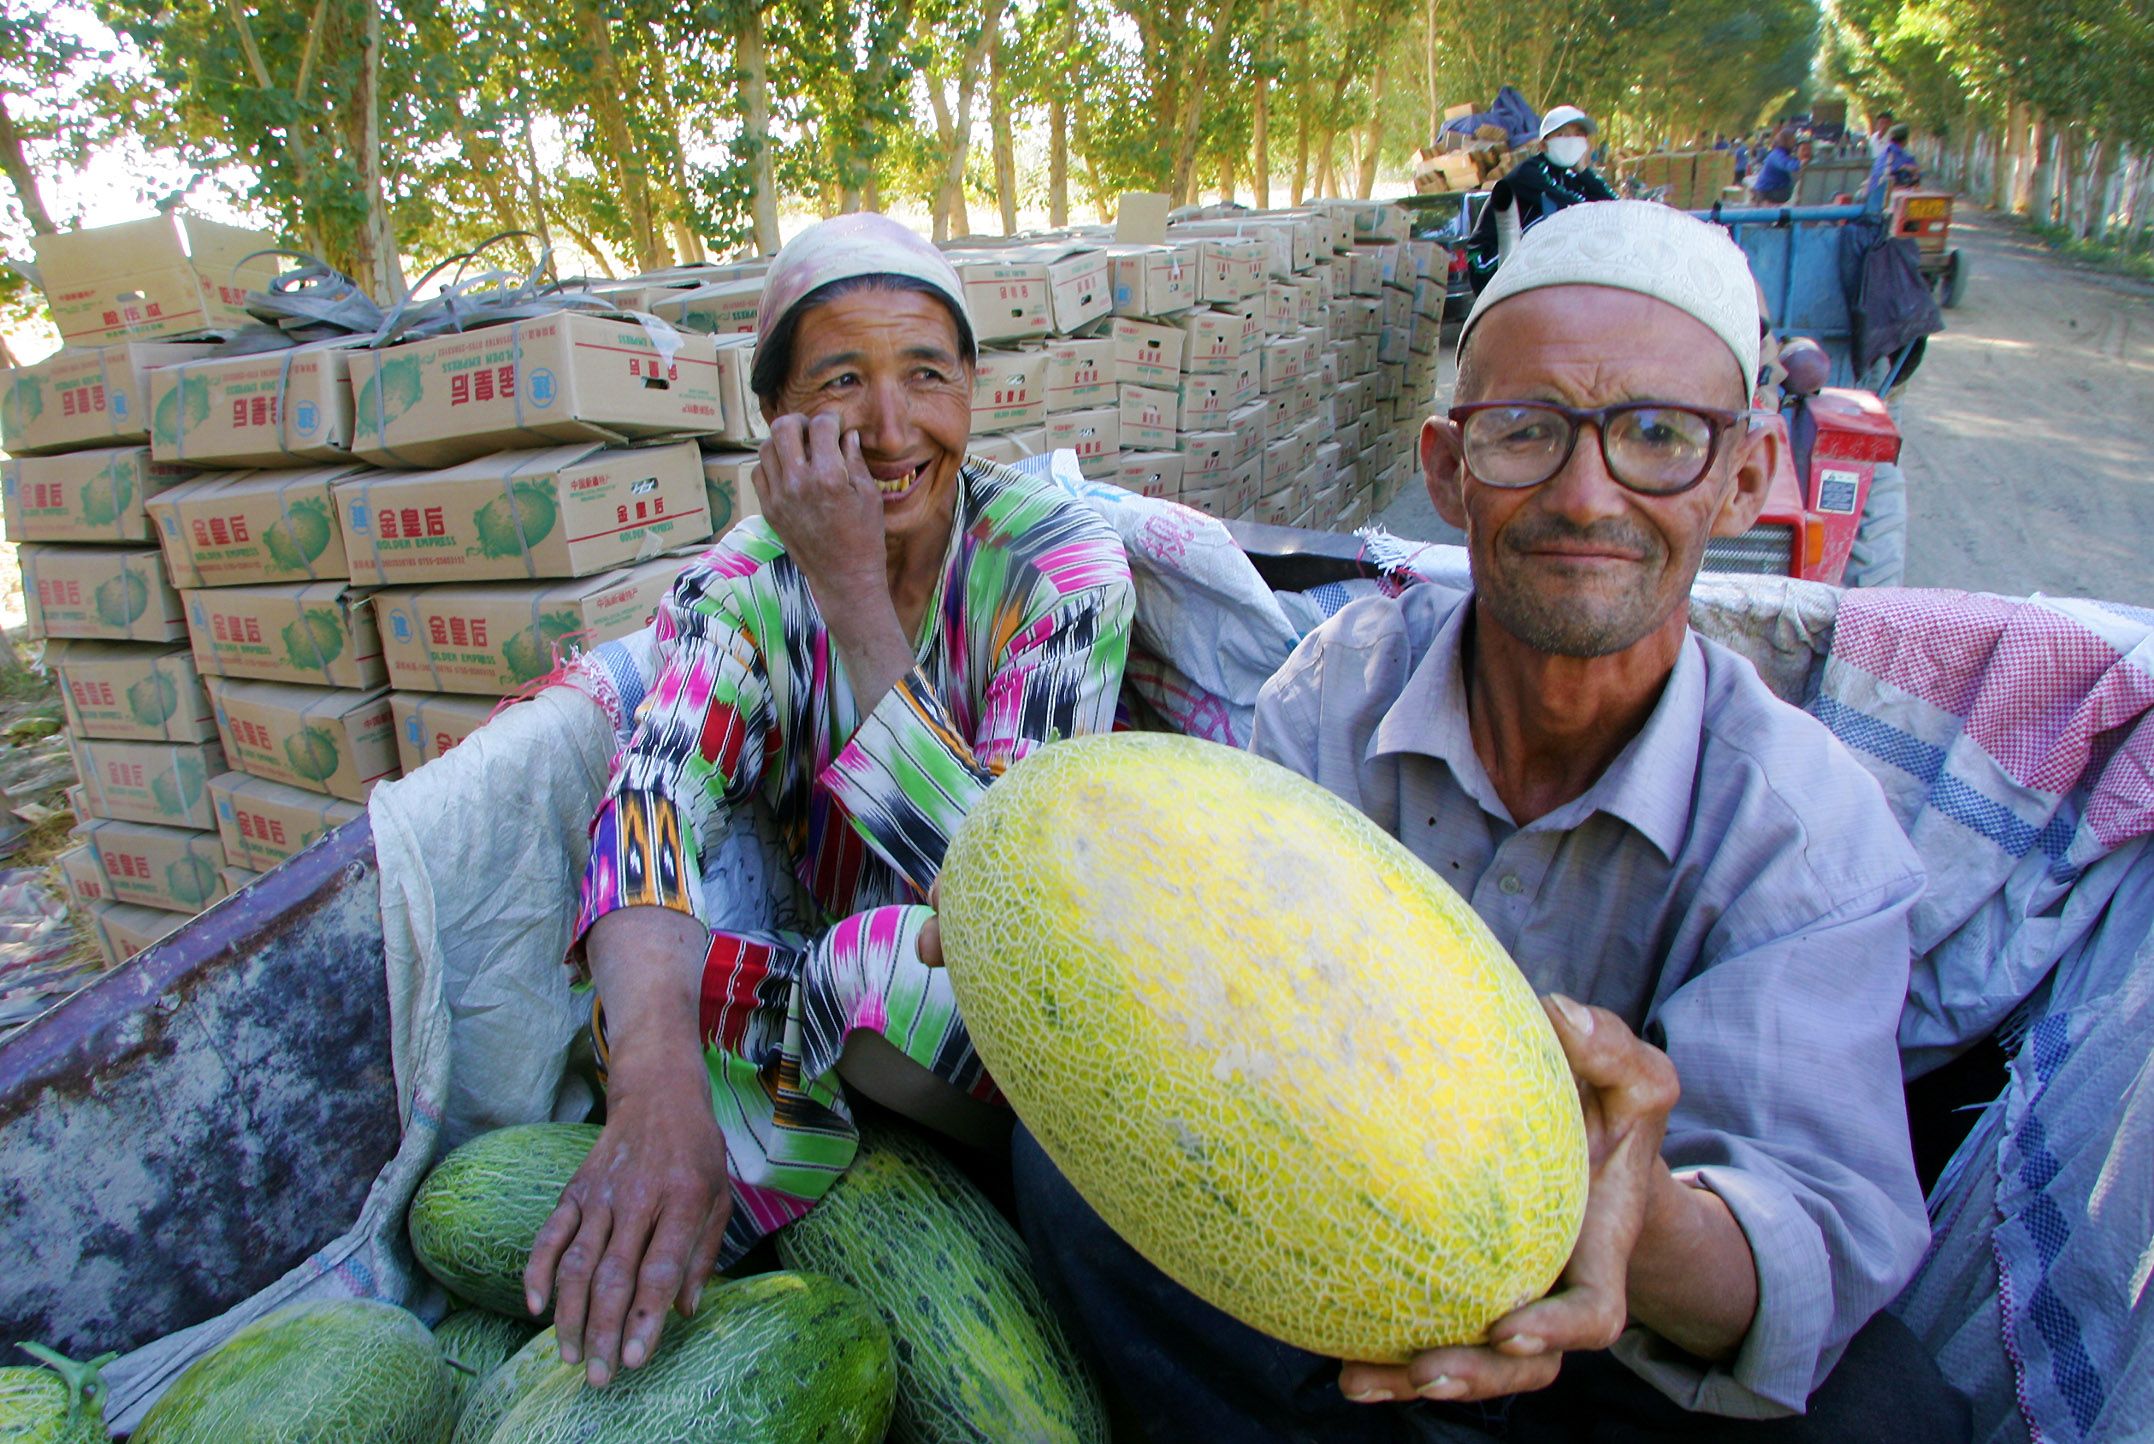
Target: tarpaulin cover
[{"x": 1520, "y": 121}]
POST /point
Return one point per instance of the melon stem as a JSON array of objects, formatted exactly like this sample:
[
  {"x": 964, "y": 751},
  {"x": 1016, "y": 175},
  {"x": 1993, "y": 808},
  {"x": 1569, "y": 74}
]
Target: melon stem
[{"x": 85, "y": 1385}]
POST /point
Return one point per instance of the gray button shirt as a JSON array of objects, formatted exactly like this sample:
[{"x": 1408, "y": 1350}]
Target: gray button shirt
[{"x": 1734, "y": 888}]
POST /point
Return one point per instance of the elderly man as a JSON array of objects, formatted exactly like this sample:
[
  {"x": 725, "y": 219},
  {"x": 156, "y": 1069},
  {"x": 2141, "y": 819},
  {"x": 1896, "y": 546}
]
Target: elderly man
[{"x": 1710, "y": 891}]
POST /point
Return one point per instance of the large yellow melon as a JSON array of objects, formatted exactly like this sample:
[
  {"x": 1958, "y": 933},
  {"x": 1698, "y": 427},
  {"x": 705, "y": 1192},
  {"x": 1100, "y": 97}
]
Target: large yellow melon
[{"x": 1279, "y": 1056}]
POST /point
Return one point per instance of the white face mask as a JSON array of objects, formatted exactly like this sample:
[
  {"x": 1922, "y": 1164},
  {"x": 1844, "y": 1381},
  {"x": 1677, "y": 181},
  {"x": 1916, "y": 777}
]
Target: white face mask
[{"x": 1568, "y": 150}]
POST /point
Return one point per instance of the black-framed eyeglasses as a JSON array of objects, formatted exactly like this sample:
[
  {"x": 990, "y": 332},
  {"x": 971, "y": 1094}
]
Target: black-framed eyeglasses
[{"x": 1656, "y": 448}]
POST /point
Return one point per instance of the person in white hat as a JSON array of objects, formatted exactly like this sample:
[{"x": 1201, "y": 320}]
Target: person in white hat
[
  {"x": 1708, "y": 890},
  {"x": 1537, "y": 187}
]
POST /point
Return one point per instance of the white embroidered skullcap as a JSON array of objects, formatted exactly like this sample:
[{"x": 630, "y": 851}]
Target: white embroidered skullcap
[{"x": 1640, "y": 246}]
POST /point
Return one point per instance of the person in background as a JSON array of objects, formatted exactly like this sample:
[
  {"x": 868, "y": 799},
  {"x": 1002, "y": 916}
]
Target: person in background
[
  {"x": 1880, "y": 131},
  {"x": 1895, "y": 165},
  {"x": 1540, "y": 186},
  {"x": 1774, "y": 183},
  {"x": 1742, "y": 158}
]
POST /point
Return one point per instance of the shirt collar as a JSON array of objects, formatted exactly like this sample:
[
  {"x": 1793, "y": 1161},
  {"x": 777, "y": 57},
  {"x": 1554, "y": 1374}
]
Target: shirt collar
[{"x": 1648, "y": 785}]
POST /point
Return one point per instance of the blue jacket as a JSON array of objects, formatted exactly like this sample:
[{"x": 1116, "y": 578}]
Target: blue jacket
[{"x": 1776, "y": 174}]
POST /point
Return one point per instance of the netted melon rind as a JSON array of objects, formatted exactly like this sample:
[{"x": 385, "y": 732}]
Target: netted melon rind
[
  {"x": 780, "y": 1358},
  {"x": 979, "y": 1354},
  {"x": 350, "y": 1371},
  {"x": 1277, "y": 1054},
  {"x": 474, "y": 1219}
]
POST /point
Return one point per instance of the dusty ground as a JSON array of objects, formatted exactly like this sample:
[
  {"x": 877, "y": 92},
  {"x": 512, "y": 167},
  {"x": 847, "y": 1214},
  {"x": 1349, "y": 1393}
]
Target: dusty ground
[
  {"x": 2030, "y": 465},
  {"x": 2029, "y": 460}
]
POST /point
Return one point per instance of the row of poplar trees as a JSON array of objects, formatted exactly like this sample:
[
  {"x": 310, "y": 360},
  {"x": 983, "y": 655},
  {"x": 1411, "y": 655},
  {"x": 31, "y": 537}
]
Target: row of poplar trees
[
  {"x": 642, "y": 133},
  {"x": 2041, "y": 107}
]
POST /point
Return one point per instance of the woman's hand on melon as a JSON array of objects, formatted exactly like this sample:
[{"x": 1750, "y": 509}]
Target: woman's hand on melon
[
  {"x": 1627, "y": 1088},
  {"x": 640, "y": 1226}
]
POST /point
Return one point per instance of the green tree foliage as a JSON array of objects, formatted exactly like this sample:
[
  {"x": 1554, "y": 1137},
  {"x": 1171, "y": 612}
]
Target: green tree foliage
[{"x": 646, "y": 133}]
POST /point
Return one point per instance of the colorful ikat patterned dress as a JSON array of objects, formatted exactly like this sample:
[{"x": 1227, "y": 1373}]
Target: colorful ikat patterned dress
[{"x": 1024, "y": 643}]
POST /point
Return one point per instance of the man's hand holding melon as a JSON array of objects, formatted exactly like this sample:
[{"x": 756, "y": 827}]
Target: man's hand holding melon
[{"x": 1626, "y": 1088}]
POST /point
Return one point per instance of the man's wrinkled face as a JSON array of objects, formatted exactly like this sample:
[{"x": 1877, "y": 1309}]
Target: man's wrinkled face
[{"x": 1581, "y": 566}]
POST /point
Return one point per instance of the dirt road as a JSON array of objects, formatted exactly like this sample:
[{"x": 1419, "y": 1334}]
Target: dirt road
[{"x": 2029, "y": 431}]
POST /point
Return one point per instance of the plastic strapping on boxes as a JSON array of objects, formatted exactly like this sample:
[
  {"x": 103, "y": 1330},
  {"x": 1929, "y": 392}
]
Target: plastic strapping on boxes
[
  {"x": 284, "y": 513},
  {"x": 284, "y": 412},
  {"x": 508, "y": 490}
]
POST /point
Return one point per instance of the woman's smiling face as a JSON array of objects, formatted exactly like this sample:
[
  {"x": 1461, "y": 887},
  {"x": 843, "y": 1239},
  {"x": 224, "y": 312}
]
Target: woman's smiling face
[{"x": 887, "y": 364}]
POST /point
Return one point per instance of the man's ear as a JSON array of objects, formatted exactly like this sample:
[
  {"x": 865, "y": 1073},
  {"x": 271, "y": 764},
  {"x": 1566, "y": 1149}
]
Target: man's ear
[
  {"x": 1443, "y": 469},
  {"x": 1762, "y": 454}
]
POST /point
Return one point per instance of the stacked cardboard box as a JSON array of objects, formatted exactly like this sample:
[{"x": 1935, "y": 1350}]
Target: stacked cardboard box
[
  {"x": 491, "y": 565},
  {"x": 1256, "y": 365}
]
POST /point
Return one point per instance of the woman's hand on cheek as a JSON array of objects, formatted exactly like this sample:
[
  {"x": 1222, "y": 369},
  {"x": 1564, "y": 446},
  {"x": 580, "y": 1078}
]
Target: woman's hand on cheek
[{"x": 818, "y": 497}]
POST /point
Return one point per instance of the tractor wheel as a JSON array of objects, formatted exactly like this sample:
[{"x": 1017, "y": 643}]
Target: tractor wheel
[
  {"x": 1955, "y": 280},
  {"x": 1879, "y": 556}
]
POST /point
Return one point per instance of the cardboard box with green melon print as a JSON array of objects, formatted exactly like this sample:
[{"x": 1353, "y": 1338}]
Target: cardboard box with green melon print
[
  {"x": 729, "y": 488},
  {"x": 261, "y": 823},
  {"x": 565, "y": 511},
  {"x": 559, "y": 378},
  {"x": 431, "y": 723},
  {"x": 161, "y": 782},
  {"x": 170, "y": 274},
  {"x": 85, "y": 396},
  {"x": 125, "y": 929},
  {"x": 174, "y": 868},
  {"x": 245, "y": 528},
  {"x": 131, "y": 691},
  {"x": 85, "y": 879},
  {"x": 114, "y": 594},
  {"x": 318, "y": 633},
  {"x": 271, "y": 408},
  {"x": 490, "y": 640},
  {"x": 323, "y": 739},
  {"x": 85, "y": 496}
]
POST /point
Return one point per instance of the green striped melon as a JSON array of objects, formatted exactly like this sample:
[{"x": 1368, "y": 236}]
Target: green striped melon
[
  {"x": 1275, "y": 1052},
  {"x": 980, "y": 1359},
  {"x": 476, "y": 1342},
  {"x": 60, "y": 1403},
  {"x": 489, "y": 1402},
  {"x": 474, "y": 1219},
  {"x": 781, "y": 1358},
  {"x": 348, "y": 1371}
]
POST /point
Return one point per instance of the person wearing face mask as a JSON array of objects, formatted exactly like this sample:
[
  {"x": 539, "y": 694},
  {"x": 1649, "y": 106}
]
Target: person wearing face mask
[{"x": 1540, "y": 186}]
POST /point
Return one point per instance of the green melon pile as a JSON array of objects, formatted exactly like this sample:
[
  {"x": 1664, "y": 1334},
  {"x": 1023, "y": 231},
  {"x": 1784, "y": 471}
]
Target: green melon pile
[{"x": 906, "y": 1311}]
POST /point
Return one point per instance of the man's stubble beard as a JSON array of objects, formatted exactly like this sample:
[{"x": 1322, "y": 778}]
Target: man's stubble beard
[{"x": 1574, "y": 623}]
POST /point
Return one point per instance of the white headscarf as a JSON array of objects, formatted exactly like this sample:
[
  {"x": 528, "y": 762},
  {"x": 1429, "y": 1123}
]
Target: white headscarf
[{"x": 1640, "y": 246}]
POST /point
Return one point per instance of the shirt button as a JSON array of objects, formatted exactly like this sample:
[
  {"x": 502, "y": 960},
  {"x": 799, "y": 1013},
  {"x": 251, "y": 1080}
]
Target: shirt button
[{"x": 1511, "y": 884}]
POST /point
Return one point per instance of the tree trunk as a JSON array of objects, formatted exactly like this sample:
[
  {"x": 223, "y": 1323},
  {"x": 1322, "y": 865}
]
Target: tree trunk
[
  {"x": 1435, "y": 89},
  {"x": 2011, "y": 143},
  {"x": 607, "y": 99},
  {"x": 686, "y": 244},
  {"x": 1322, "y": 185},
  {"x": 1058, "y": 163},
  {"x": 861, "y": 151},
  {"x": 1189, "y": 119},
  {"x": 953, "y": 127},
  {"x": 1371, "y": 156},
  {"x": 998, "y": 121},
  {"x": 755, "y": 94},
  {"x": 386, "y": 265},
  {"x": 20, "y": 176},
  {"x": 1260, "y": 121},
  {"x": 1226, "y": 177},
  {"x": 2101, "y": 179},
  {"x": 538, "y": 189},
  {"x": 1301, "y": 129},
  {"x": 2031, "y": 185}
]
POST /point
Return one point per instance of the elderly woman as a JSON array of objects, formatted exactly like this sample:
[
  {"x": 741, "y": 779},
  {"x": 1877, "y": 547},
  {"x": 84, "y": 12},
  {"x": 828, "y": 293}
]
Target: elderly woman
[{"x": 898, "y": 627}]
